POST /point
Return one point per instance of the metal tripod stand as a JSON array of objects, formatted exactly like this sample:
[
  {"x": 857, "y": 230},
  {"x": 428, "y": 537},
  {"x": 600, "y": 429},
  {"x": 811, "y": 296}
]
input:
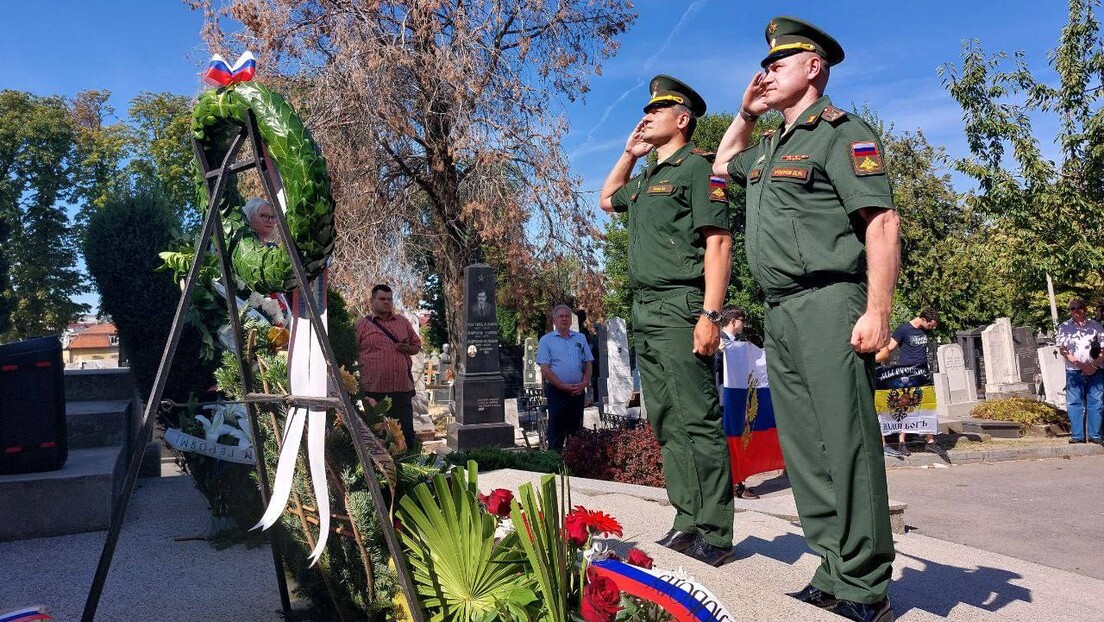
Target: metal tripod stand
[{"x": 216, "y": 181}]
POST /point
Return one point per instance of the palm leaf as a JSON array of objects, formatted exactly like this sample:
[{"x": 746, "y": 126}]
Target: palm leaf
[{"x": 460, "y": 573}]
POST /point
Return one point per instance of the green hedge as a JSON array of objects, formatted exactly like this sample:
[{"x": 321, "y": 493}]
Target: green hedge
[{"x": 1020, "y": 410}]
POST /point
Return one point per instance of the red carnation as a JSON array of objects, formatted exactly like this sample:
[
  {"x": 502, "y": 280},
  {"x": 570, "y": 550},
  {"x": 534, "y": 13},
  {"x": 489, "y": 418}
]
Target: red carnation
[
  {"x": 636, "y": 557},
  {"x": 601, "y": 600},
  {"x": 575, "y": 529},
  {"x": 498, "y": 502}
]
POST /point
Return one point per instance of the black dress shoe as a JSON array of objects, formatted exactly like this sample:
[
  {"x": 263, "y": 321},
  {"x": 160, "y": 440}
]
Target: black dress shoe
[
  {"x": 678, "y": 540},
  {"x": 815, "y": 596},
  {"x": 715, "y": 556},
  {"x": 862, "y": 612}
]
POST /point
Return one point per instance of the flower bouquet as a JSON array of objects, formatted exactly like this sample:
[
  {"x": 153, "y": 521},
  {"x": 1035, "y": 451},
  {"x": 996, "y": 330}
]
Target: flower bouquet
[{"x": 500, "y": 557}]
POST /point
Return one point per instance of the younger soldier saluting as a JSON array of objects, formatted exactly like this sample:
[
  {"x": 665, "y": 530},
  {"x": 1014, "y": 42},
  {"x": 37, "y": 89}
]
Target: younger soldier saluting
[
  {"x": 823, "y": 243},
  {"x": 679, "y": 259}
]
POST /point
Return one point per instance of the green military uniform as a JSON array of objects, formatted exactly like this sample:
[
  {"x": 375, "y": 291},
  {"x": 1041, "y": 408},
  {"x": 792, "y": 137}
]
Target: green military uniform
[
  {"x": 669, "y": 204},
  {"x": 805, "y": 183}
]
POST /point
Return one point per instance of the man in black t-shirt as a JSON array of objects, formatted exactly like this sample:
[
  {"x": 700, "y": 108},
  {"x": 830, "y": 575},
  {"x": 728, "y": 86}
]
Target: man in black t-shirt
[{"x": 911, "y": 341}]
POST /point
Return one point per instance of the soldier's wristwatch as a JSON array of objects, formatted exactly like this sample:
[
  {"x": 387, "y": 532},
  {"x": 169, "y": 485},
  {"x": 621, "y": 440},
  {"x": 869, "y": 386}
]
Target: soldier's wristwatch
[
  {"x": 712, "y": 316},
  {"x": 747, "y": 116}
]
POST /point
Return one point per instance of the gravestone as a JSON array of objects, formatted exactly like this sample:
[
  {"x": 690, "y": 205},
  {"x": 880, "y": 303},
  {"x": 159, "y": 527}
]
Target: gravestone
[
  {"x": 1002, "y": 367},
  {"x": 1053, "y": 371},
  {"x": 955, "y": 387},
  {"x": 511, "y": 361},
  {"x": 1027, "y": 353},
  {"x": 531, "y": 372},
  {"x": 617, "y": 385},
  {"x": 479, "y": 390},
  {"x": 423, "y": 423},
  {"x": 974, "y": 355}
]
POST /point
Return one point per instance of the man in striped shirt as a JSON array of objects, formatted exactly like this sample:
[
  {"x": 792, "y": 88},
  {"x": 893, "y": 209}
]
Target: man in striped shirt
[{"x": 386, "y": 343}]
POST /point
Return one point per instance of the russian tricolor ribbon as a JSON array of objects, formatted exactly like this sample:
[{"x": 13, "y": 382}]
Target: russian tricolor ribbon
[
  {"x": 682, "y": 597},
  {"x": 26, "y": 614},
  {"x": 220, "y": 74}
]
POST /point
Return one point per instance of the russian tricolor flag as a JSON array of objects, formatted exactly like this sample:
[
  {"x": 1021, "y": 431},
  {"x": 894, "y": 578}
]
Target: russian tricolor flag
[
  {"x": 219, "y": 73},
  {"x": 748, "y": 411}
]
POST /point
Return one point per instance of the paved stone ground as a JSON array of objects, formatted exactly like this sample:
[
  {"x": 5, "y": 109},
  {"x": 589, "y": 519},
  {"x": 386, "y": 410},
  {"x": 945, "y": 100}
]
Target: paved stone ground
[
  {"x": 1046, "y": 511},
  {"x": 155, "y": 577}
]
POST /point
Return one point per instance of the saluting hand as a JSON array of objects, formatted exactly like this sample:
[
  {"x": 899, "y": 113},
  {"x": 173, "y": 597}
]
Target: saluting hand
[
  {"x": 871, "y": 333},
  {"x": 752, "y": 101},
  {"x": 635, "y": 146},
  {"x": 707, "y": 337}
]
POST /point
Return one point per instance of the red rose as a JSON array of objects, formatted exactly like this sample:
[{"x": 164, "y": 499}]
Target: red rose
[
  {"x": 601, "y": 600},
  {"x": 498, "y": 502},
  {"x": 637, "y": 557},
  {"x": 575, "y": 529}
]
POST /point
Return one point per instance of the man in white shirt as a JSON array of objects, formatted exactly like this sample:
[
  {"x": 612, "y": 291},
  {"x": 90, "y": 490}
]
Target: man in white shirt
[{"x": 1079, "y": 341}]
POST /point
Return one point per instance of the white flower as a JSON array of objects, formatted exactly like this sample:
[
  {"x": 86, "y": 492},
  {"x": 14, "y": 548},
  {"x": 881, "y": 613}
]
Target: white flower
[{"x": 505, "y": 528}]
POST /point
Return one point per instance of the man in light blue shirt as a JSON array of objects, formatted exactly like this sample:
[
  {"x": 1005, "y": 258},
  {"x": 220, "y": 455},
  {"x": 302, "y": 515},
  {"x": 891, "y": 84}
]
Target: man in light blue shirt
[{"x": 566, "y": 361}]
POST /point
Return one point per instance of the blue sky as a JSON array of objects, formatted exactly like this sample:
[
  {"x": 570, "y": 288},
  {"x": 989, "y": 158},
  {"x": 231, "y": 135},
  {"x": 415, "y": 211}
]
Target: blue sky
[{"x": 893, "y": 50}]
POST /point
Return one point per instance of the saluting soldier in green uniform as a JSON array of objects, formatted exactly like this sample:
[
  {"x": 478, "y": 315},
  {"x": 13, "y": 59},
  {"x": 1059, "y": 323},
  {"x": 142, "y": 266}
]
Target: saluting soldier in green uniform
[
  {"x": 679, "y": 260},
  {"x": 823, "y": 243}
]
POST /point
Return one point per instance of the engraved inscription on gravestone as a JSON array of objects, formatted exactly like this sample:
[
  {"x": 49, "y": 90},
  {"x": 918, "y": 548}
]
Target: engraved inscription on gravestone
[{"x": 1027, "y": 353}]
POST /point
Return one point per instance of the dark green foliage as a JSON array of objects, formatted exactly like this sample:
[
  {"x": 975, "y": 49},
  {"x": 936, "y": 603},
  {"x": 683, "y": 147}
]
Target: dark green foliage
[
  {"x": 267, "y": 269},
  {"x": 436, "y": 332},
  {"x": 490, "y": 459},
  {"x": 121, "y": 253},
  {"x": 341, "y": 329},
  {"x": 627, "y": 455},
  {"x": 1021, "y": 410}
]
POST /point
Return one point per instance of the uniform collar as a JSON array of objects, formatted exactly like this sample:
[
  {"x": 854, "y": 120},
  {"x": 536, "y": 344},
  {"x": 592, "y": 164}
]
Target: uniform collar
[
  {"x": 811, "y": 115},
  {"x": 677, "y": 157}
]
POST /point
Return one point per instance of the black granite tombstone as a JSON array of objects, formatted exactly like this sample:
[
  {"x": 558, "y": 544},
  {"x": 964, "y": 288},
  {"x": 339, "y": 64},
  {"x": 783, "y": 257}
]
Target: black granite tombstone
[
  {"x": 1027, "y": 352},
  {"x": 479, "y": 388}
]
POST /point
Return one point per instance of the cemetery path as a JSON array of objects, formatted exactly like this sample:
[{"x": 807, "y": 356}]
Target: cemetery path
[
  {"x": 1047, "y": 511},
  {"x": 153, "y": 576}
]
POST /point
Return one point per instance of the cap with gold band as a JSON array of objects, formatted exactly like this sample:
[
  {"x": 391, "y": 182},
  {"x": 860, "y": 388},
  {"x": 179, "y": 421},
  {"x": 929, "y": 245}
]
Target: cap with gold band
[
  {"x": 787, "y": 36},
  {"x": 667, "y": 91}
]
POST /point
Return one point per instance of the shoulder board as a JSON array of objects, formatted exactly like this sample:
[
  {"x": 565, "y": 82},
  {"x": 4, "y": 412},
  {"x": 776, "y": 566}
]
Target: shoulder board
[
  {"x": 832, "y": 114},
  {"x": 708, "y": 155}
]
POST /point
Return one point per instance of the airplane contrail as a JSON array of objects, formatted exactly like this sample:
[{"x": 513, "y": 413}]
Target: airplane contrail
[{"x": 686, "y": 15}]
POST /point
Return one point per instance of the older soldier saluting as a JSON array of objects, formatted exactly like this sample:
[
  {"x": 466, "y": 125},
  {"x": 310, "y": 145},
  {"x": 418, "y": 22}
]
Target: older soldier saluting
[
  {"x": 679, "y": 259},
  {"x": 823, "y": 243}
]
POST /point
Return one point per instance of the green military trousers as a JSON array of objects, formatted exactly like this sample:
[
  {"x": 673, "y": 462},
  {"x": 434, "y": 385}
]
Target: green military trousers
[
  {"x": 823, "y": 394},
  {"x": 681, "y": 399}
]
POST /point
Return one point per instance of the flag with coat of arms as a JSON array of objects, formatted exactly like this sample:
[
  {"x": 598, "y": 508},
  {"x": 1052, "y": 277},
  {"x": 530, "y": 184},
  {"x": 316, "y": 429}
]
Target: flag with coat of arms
[{"x": 748, "y": 411}]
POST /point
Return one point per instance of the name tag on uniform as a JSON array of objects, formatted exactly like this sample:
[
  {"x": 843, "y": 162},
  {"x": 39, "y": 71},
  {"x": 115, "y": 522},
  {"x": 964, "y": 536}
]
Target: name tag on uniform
[
  {"x": 661, "y": 189},
  {"x": 786, "y": 172}
]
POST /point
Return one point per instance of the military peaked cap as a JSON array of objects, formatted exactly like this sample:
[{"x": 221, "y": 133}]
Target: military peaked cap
[
  {"x": 667, "y": 91},
  {"x": 788, "y": 35}
]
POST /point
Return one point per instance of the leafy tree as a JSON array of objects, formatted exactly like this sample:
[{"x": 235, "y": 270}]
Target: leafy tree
[
  {"x": 101, "y": 149},
  {"x": 1058, "y": 206},
  {"x": 121, "y": 251},
  {"x": 161, "y": 150},
  {"x": 36, "y": 159},
  {"x": 439, "y": 124}
]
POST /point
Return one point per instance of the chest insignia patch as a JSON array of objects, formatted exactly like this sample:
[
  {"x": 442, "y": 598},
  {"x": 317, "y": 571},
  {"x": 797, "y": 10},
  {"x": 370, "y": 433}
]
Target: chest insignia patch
[
  {"x": 794, "y": 157},
  {"x": 754, "y": 174},
  {"x": 785, "y": 172},
  {"x": 866, "y": 158},
  {"x": 717, "y": 187},
  {"x": 661, "y": 189}
]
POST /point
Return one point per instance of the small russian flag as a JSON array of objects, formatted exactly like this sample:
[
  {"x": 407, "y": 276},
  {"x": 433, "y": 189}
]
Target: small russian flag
[
  {"x": 864, "y": 149},
  {"x": 26, "y": 614},
  {"x": 717, "y": 182},
  {"x": 219, "y": 74}
]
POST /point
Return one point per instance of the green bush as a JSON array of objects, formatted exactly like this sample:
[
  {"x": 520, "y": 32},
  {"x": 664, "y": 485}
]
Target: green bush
[
  {"x": 1020, "y": 410},
  {"x": 490, "y": 459},
  {"x": 121, "y": 252}
]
